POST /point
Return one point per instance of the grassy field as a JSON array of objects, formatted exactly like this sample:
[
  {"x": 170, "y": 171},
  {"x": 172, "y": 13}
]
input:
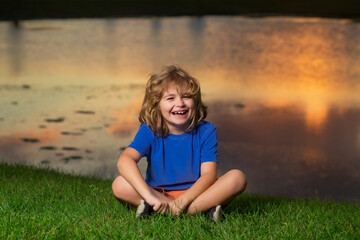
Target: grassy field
[{"x": 37, "y": 203}]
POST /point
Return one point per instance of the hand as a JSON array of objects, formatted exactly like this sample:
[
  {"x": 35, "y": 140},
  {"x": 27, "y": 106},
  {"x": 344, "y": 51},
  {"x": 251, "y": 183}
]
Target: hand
[
  {"x": 176, "y": 207},
  {"x": 159, "y": 205}
]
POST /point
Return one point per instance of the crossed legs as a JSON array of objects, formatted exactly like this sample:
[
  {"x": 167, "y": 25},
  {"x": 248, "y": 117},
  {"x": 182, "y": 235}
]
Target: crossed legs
[{"x": 225, "y": 189}]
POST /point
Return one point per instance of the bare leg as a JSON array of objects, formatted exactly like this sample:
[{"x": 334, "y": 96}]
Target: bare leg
[
  {"x": 124, "y": 192},
  {"x": 225, "y": 189}
]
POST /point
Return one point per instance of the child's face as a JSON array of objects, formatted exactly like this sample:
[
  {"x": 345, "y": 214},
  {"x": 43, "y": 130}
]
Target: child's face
[{"x": 176, "y": 107}]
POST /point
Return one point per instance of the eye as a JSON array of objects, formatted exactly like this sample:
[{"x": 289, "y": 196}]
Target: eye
[
  {"x": 170, "y": 98},
  {"x": 186, "y": 96}
]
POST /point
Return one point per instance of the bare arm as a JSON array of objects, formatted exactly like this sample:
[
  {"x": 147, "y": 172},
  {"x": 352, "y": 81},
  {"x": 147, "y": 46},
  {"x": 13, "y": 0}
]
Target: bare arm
[
  {"x": 207, "y": 178},
  {"x": 127, "y": 166}
]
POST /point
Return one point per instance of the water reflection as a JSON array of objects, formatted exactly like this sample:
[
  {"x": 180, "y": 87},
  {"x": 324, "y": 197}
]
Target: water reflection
[
  {"x": 111, "y": 48},
  {"x": 277, "y": 150},
  {"x": 282, "y": 92},
  {"x": 15, "y": 51}
]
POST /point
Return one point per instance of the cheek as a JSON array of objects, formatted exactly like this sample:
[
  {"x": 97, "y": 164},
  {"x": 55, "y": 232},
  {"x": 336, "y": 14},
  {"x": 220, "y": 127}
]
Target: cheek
[
  {"x": 163, "y": 107},
  {"x": 191, "y": 104}
]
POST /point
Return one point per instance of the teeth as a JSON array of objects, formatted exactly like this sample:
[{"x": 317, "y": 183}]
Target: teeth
[{"x": 180, "y": 112}]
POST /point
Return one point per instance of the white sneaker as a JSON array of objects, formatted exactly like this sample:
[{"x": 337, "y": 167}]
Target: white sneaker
[
  {"x": 143, "y": 209},
  {"x": 215, "y": 213}
]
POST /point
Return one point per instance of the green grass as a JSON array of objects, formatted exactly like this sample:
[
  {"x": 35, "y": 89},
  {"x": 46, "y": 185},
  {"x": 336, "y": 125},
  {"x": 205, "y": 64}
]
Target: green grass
[{"x": 39, "y": 203}]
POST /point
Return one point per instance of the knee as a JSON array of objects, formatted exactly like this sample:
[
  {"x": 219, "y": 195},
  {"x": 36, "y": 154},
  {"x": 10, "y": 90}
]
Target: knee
[
  {"x": 237, "y": 181},
  {"x": 118, "y": 187},
  {"x": 115, "y": 186}
]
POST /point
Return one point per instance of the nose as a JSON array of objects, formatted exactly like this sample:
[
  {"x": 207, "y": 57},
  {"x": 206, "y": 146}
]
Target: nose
[{"x": 180, "y": 102}]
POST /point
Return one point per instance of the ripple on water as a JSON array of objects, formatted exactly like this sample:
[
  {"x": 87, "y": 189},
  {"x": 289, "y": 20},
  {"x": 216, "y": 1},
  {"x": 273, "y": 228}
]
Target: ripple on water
[
  {"x": 67, "y": 159},
  {"x": 71, "y": 133},
  {"x": 75, "y": 157},
  {"x": 48, "y": 148},
  {"x": 30, "y": 140},
  {"x": 70, "y": 149},
  {"x": 96, "y": 128},
  {"x": 55, "y": 120},
  {"x": 85, "y": 112},
  {"x": 14, "y": 87}
]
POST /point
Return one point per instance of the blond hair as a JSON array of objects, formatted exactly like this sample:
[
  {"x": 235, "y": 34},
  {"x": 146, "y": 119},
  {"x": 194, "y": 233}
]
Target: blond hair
[{"x": 150, "y": 113}]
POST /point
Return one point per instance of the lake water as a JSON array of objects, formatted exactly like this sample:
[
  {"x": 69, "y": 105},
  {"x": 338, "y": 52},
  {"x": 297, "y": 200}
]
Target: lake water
[{"x": 283, "y": 92}]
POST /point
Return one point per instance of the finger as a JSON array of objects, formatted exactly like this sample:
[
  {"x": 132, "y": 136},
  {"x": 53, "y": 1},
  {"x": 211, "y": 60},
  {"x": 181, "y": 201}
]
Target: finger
[
  {"x": 178, "y": 212},
  {"x": 163, "y": 209},
  {"x": 171, "y": 212},
  {"x": 156, "y": 207},
  {"x": 167, "y": 208},
  {"x": 174, "y": 211},
  {"x": 160, "y": 210}
]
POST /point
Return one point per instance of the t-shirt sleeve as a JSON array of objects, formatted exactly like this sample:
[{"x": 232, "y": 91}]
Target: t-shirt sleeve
[
  {"x": 209, "y": 152},
  {"x": 142, "y": 140}
]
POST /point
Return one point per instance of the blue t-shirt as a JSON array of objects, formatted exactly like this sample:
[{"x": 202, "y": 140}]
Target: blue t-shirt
[{"x": 174, "y": 161}]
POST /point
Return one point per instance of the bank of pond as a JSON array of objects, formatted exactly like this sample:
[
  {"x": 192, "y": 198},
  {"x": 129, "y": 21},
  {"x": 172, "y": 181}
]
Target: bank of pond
[{"x": 43, "y": 203}]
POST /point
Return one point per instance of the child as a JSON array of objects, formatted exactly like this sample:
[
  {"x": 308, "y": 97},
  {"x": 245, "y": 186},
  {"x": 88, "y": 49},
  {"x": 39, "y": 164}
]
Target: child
[{"x": 181, "y": 150}]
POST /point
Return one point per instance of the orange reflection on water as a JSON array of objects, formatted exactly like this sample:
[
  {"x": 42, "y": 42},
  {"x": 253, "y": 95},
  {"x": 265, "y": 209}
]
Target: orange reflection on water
[
  {"x": 301, "y": 67},
  {"x": 316, "y": 71},
  {"x": 316, "y": 113},
  {"x": 315, "y": 109},
  {"x": 43, "y": 136},
  {"x": 125, "y": 119},
  {"x": 313, "y": 156}
]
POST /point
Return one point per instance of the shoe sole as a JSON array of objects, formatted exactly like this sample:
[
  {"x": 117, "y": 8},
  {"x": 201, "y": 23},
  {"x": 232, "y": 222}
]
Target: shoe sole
[
  {"x": 218, "y": 213},
  {"x": 141, "y": 209}
]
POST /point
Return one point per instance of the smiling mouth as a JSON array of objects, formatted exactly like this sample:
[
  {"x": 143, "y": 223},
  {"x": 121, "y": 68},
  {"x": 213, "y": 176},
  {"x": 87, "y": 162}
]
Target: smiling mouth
[{"x": 181, "y": 113}]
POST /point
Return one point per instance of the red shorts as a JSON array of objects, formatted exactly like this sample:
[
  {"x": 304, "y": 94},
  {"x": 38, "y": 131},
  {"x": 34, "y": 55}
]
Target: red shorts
[{"x": 174, "y": 194}]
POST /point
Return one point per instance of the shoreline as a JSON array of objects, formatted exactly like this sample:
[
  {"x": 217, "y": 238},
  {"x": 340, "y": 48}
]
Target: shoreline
[
  {"x": 44, "y": 204},
  {"x": 259, "y": 15},
  {"x": 55, "y": 9},
  {"x": 34, "y": 169}
]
